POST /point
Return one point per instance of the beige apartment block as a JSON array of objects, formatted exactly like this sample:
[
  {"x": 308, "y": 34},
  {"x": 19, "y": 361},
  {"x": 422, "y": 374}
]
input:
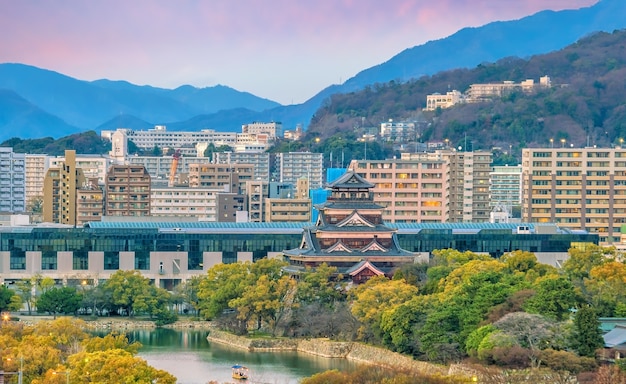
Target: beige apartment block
[
  {"x": 89, "y": 202},
  {"x": 412, "y": 191},
  {"x": 59, "y": 195},
  {"x": 228, "y": 177},
  {"x": 36, "y": 168},
  {"x": 576, "y": 188},
  {"x": 469, "y": 185}
]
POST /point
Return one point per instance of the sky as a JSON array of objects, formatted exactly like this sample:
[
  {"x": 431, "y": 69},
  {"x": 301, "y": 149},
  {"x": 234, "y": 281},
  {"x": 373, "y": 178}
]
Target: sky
[{"x": 282, "y": 50}]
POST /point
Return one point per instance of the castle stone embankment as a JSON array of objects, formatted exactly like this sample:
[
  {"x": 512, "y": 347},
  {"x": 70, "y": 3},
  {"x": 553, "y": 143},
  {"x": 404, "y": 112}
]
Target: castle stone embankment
[{"x": 323, "y": 347}]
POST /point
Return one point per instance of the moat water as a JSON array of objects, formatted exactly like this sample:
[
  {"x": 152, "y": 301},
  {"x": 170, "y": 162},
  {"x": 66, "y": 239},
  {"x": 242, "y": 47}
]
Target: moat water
[{"x": 187, "y": 355}]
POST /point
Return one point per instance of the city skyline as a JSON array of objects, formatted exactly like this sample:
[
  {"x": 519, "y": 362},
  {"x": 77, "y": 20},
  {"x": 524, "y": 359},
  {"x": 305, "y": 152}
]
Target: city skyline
[{"x": 281, "y": 50}]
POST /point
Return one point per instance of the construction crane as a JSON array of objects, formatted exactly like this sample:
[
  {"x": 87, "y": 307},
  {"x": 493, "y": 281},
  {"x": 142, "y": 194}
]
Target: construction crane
[{"x": 175, "y": 158}]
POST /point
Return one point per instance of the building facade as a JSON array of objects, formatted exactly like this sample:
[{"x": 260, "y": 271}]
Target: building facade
[
  {"x": 187, "y": 249},
  {"x": 127, "y": 191},
  {"x": 12, "y": 181},
  {"x": 161, "y": 138},
  {"x": 59, "y": 195},
  {"x": 184, "y": 202},
  {"x": 577, "y": 188},
  {"x": 437, "y": 100},
  {"x": 272, "y": 129},
  {"x": 291, "y": 166},
  {"x": 505, "y": 186},
  {"x": 36, "y": 168},
  {"x": 89, "y": 202},
  {"x": 260, "y": 161},
  {"x": 410, "y": 190},
  {"x": 469, "y": 185}
]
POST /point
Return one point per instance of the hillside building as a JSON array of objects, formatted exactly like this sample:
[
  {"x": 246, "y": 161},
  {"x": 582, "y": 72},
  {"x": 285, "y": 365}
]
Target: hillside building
[
  {"x": 272, "y": 129},
  {"x": 437, "y": 100}
]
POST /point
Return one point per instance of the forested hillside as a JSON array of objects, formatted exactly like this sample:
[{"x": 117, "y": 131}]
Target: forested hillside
[{"x": 585, "y": 105}]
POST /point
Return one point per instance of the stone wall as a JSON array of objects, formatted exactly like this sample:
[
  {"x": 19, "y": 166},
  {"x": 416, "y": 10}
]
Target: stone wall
[{"x": 331, "y": 349}]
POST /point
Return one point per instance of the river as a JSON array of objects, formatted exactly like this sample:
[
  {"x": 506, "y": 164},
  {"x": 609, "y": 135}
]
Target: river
[{"x": 187, "y": 355}]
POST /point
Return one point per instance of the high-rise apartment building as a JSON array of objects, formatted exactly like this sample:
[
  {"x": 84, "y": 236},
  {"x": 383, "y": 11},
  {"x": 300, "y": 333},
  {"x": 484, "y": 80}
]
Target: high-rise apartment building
[
  {"x": 260, "y": 161},
  {"x": 227, "y": 177},
  {"x": 127, "y": 191},
  {"x": 577, "y": 188},
  {"x": 469, "y": 185},
  {"x": 89, "y": 202},
  {"x": 36, "y": 168},
  {"x": 12, "y": 181},
  {"x": 59, "y": 196},
  {"x": 505, "y": 186},
  {"x": 199, "y": 203},
  {"x": 411, "y": 190},
  {"x": 160, "y": 167},
  {"x": 291, "y": 166}
]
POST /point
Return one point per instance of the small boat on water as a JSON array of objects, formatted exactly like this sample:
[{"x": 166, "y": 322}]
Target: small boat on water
[{"x": 240, "y": 372}]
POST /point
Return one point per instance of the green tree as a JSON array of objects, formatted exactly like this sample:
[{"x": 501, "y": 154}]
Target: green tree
[
  {"x": 586, "y": 337},
  {"x": 8, "y": 299},
  {"x": 223, "y": 283},
  {"x": 554, "y": 298},
  {"x": 25, "y": 291},
  {"x": 128, "y": 288},
  {"x": 320, "y": 286},
  {"x": 59, "y": 300}
]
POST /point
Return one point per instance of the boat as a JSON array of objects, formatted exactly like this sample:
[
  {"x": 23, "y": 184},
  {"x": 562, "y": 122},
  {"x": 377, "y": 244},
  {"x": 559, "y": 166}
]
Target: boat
[{"x": 240, "y": 372}]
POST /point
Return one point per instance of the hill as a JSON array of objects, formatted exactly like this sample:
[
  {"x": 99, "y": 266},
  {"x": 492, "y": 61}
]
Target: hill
[
  {"x": 72, "y": 105},
  {"x": 585, "y": 105}
]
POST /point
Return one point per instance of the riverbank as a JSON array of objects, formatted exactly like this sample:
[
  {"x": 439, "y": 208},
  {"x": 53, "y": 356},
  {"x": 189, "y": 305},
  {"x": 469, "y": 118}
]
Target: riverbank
[
  {"x": 121, "y": 323},
  {"x": 357, "y": 352}
]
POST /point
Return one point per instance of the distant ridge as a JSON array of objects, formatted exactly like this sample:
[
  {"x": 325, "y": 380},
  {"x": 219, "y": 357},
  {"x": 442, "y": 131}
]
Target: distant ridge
[{"x": 79, "y": 105}]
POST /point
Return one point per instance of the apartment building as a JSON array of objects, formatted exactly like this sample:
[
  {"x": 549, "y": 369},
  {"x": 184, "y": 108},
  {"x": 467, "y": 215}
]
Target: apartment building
[
  {"x": 398, "y": 131},
  {"x": 576, "y": 188},
  {"x": 127, "y": 191},
  {"x": 160, "y": 137},
  {"x": 89, "y": 202},
  {"x": 272, "y": 129},
  {"x": 295, "y": 207},
  {"x": 228, "y": 177},
  {"x": 59, "y": 192},
  {"x": 92, "y": 166},
  {"x": 12, "y": 181},
  {"x": 291, "y": 166},
  {"x": 412, "y": 190},
  {"x": 437, "y": 100},
  {"x": 36, "y": 168},
  {"x": 159, "y": 167},
  {"x": 260, "y": 161},
  {"x": 199, "y": 203},
  {"x": 505, "y": 186}
]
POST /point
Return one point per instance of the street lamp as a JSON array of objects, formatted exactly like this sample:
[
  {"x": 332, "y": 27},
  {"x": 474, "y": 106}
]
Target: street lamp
[
  {"x": 20, "y": 372},
  {"x": 551, "y": 143},
  {"x": 562, "y": 143},
  {"x": 67, "y": 375}
]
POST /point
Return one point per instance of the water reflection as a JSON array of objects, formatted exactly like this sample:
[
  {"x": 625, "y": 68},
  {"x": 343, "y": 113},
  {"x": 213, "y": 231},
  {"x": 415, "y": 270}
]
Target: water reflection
[{"x": 193, "y": 360}]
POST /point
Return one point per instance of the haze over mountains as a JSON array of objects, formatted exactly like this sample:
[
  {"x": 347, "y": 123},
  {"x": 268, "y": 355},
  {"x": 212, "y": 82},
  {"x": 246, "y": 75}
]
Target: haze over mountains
[{"x": 36, "y": 102}]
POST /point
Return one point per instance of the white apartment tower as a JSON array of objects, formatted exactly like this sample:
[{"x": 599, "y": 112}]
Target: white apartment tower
[{"x": 12, "y": 181}]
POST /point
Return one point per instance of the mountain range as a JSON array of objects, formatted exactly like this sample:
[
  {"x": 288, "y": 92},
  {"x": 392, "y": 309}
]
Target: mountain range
[{"x": 36, "y": 102}]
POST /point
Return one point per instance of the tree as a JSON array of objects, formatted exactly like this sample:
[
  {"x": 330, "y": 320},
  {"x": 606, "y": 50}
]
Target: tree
[
  {"x": 531, "y": 331},
  {"x": 114, "y": 366},
  {"x": 224, "y": 282},
  {"x": 8, "y": 300},
  {"x": 268, "y": 301},
  {"x": 586, "y": 337},
  {"x": 25, "y": 291},
  {"x": 606, "y": 286},
  {"x": 127, "y": 288},
  {"x": 112, "y": 340},
  {"x": 59, "y": 300},
  {"x": 372, "y": 299},
  {"x": 554, "y": 298},
  {"x": 320, "y": 286}
]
